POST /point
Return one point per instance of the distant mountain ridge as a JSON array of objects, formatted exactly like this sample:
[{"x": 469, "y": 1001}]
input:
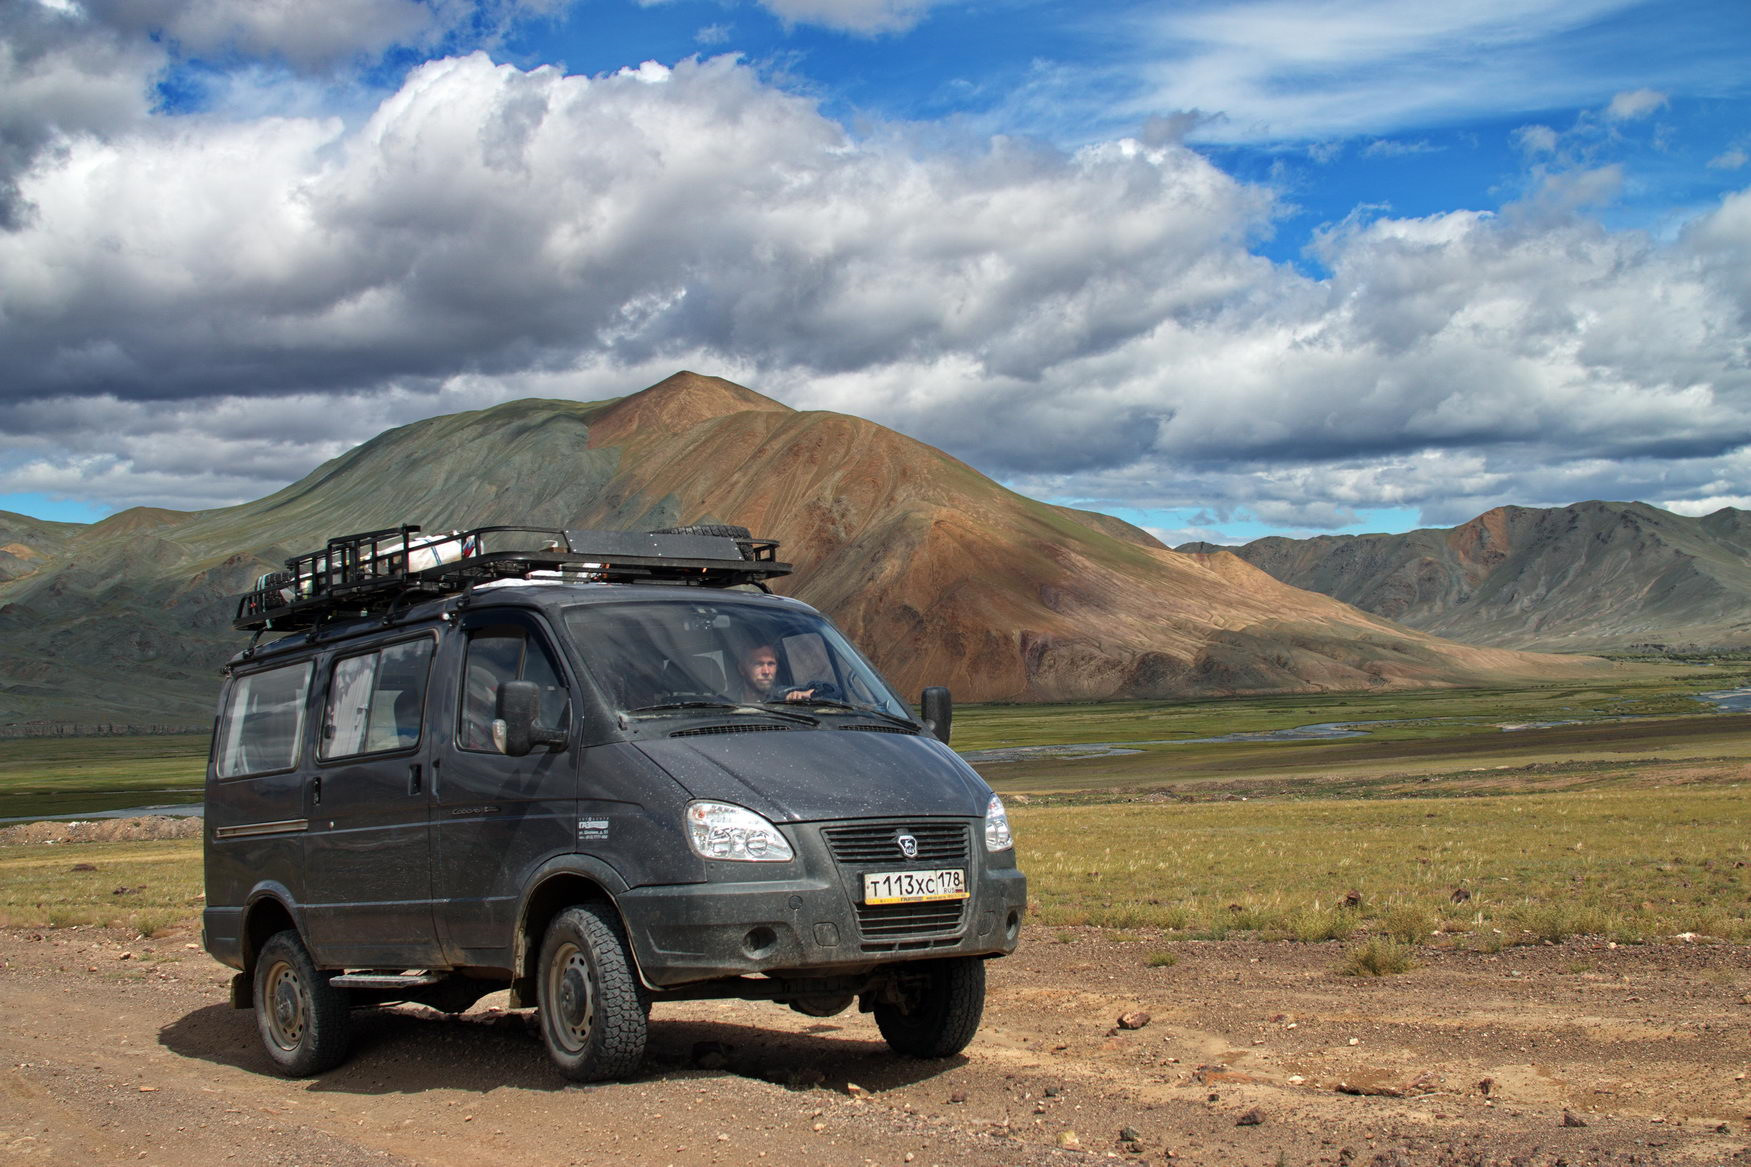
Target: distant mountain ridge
[
  {"x": 1591, "y": 577},
  {"x": 939, "y": 573}
]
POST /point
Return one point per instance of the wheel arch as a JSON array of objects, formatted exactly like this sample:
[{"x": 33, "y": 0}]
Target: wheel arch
[
  {"x": 268, "y": 911},
  {"x": 552, "y": 892}
]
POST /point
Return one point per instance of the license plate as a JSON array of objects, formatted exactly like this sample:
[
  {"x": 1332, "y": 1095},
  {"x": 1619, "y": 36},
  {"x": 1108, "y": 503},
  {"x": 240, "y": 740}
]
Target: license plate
[{"x": 912, "y": 887}]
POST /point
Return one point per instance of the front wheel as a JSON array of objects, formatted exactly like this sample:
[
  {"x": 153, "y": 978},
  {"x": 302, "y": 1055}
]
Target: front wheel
[
  {"x": 304, "y": 1020},
  {"x": 593, "y": 1009},
  {"x": 938, "y": 1008}
]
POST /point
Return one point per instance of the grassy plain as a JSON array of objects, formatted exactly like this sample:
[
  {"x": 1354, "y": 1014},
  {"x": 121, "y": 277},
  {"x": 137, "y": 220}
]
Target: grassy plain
[
  {"x": 1629, "y": 864},
  {"x": 1447, "y": 829},
  {"x": 1646, "y": 690},
  {"x": 1622, "y": 811},
  {"x": 146, "y": 887},
  {"x": 79, "y": 775}
]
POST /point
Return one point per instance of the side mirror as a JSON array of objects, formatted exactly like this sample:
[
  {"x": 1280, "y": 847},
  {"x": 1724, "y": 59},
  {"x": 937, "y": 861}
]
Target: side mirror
[
  {"x": 938, "y": 709},
  {"x": 514, "y": 731}
]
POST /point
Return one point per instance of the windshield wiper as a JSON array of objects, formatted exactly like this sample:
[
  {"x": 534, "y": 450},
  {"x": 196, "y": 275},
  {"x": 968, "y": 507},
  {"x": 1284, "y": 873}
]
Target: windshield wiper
[
  {"x": 833, "y": 703},
  {"x": 683, "y": 705},
  {"x": 787, "y": 714}
]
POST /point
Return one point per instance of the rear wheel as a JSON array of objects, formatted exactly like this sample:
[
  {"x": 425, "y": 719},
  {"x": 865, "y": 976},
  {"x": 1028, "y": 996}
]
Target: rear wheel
[
  {"x": 304, "y": 1020},
  {"x": 593, "y": 1010},
  {"x": 938, "y": 1008}
]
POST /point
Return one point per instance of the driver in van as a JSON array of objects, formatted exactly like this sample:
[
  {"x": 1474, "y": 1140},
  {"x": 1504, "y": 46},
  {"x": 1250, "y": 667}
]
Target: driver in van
[{"x": 760, "y": 676}]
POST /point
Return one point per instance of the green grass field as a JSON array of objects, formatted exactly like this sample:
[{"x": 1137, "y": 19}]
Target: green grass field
[
  {"x": 79, "y": 775},
  {"x": 1629, "y": 864},
  {"x": 145, "y": 887},
  {"x": 1628, "y": 829},
  {"x": 1420, "y": 714}
]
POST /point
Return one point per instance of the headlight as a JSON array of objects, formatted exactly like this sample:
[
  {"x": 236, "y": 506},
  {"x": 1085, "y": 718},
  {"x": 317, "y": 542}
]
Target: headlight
[
  {"x": 718, "y": 830},
  {"x": 997, "y": 836}
]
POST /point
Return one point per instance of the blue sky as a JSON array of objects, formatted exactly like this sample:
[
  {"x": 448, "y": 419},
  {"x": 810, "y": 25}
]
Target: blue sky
[{"x": 1224, "y": 269}]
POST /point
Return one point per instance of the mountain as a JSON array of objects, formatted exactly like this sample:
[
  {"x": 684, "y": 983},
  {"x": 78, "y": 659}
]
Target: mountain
[
  {"x": 1592, "y": 577},
  {"x": 939, "y": 573}
]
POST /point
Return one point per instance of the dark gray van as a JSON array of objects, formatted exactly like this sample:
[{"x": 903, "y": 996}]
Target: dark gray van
[{"x": 599, "y": 769}]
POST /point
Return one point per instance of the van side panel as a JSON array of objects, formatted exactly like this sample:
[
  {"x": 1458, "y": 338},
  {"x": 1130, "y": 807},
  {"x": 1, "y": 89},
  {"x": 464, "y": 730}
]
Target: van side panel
[
  {"x": 494, "y": 819},
  {"x": 367, "y": 892},
  {"x": 253, "y": 834}
]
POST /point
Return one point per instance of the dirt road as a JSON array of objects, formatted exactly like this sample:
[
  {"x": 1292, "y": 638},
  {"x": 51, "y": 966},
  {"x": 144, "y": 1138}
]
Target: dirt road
[{"x": 117, "y": 1050}]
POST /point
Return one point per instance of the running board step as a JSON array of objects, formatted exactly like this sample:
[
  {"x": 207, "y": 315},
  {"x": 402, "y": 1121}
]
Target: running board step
[{"x": 372, "y": 980}]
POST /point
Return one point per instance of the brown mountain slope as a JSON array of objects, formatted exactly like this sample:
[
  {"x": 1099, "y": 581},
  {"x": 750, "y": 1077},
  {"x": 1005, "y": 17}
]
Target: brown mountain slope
[
  {"x": 942, "y": 575},
  {"x": 1595, "y": 576}
]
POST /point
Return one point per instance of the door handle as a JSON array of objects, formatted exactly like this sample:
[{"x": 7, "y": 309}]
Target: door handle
[
  {"x": 316, "y": 789},
  {"x": 413, "y": 778}
]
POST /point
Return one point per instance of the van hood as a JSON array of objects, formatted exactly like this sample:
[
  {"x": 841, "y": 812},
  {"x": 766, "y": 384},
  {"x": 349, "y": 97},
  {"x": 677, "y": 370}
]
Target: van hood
[{"x": 811, "y": 775}]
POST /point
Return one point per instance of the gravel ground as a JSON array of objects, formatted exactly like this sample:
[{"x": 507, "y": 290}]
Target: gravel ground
[{"x": 121, "y": 1050}]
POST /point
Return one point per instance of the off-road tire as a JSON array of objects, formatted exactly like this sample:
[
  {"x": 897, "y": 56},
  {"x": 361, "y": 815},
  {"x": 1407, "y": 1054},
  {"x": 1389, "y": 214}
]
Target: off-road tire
[
  {"x": 305, "y": 1022},
  {"x": 941, "y": 1015},
  {"x": 592, "y": 1009}
]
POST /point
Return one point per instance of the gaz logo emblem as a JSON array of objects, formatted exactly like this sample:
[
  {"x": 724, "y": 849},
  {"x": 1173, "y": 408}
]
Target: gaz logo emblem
[{"x": 908, "y": 845}]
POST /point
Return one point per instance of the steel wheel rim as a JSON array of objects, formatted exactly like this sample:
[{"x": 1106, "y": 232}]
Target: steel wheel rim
[
  {"x": 284, "y": 1006},
  {"x": 572, "y": 1012}
]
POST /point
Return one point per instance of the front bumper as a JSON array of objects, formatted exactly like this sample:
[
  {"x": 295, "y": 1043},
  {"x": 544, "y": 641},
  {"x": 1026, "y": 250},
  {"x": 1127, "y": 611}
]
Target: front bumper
[{"x": 806, "y": 918}]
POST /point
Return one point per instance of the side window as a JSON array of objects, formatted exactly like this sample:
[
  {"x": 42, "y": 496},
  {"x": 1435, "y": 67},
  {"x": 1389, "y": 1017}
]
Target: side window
[
  {"x": 375, "y": 700},
  {"x": 498, "y": 655},
  {"x": 264, "y": 721},
  {"x": 399, "y": 698},
  {"x": 349, "y": 704}
]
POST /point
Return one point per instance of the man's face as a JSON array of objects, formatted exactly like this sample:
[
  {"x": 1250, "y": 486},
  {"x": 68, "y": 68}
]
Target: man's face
[{"x": 761, "y": 667}]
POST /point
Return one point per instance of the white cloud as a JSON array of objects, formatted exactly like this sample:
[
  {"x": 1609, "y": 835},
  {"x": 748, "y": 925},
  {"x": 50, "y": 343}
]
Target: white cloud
[
  {"x": 1399, "y": 148},
  {"x": 858, "y": 17},
  {"x": 1733, "y": 159},
  {"x": 254, "y": 295},
  {"x": 1697, "y": 507},
  {"x": 866, "y": 17},
  {"x": 1635, "y": 104},
  {"x": 1534, "y": 140},
  {"x": 314, "y": 34},
  {"x": 1288, "y": 70}
]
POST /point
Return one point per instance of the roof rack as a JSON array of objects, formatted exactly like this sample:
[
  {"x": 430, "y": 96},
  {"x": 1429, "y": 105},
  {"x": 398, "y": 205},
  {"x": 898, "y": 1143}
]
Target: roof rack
[{"x": 377, "y": 571}]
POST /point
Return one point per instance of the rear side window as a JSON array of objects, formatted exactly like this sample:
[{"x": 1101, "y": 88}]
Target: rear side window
[
  {"x": 497, "y": 655},
  {"x": 376, "y": 700},
  {"x": 264, "y": 721}
]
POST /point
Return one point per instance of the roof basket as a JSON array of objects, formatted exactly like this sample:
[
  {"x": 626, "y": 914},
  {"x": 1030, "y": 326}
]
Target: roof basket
[{"x": 379, "y": 570}]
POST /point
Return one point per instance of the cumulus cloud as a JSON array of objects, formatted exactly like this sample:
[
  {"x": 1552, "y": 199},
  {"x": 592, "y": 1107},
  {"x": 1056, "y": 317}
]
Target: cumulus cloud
[
  {"x": 312, "y": 34},
  {"x": 1634, "y": 104},
  {"x": 242, "y": 298},
  {"x": 496, "y": 219},
  {"x": 858, "y": 16},
  {"x": 60, "y": 78},
  {"x": 1398, "y": 148}
]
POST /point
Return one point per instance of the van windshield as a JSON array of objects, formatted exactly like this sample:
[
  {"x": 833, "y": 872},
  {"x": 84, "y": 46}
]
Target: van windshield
[{"x": 670, "y": 655}]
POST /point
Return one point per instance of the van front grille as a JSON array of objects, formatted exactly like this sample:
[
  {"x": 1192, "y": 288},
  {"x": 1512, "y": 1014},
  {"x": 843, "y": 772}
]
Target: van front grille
[
  {"x": 941, "y": 842},
  {"x": 900, "y": 926}
]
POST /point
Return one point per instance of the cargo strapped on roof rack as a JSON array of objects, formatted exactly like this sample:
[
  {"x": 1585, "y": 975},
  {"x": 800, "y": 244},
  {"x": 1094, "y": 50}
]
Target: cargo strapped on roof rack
[{"x": 377, "y": 571}]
